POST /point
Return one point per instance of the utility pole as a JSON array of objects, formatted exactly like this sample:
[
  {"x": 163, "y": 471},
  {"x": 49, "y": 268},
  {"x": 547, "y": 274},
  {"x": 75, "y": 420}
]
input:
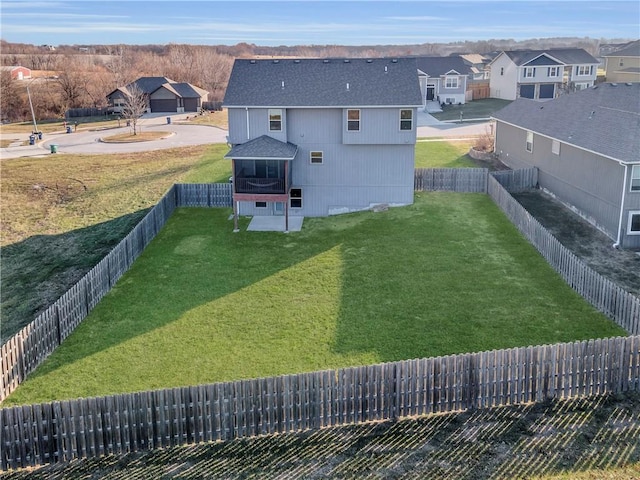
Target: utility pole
[{"x": 35, "y": 127}]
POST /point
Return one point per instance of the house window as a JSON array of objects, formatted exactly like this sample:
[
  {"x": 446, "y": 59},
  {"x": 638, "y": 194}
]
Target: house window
[
  {"x": 501, "y": 70},
  {"x": 315, "y": 158},
  {"x": 553, "y": 71},
  {"x": 529, "y": 72},
  {"x": 261, "y": 204},
  {"x": 451, "y": 82},
  {"x": 295, "y": 198},
  {"x": 583, "y": 70},
  {"x": 353, "y": 120},
  {"x": 581, "y": 86},
  {"x": 635, "y": 178},
  {"x": 555, "y": 147},
  {"x": 529, "y": 144},
  {"x": 634, "y": 223},
  {"x": 621, "y": 63},
  {"x": 275, "y": 119},
  {"x": 406, "y": 119}
]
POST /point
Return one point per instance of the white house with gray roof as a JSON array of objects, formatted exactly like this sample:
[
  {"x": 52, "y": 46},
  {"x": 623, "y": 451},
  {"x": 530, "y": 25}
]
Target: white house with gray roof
[
  {"x": 586, "y": 148},
  {"x": 316, "y": 137},
  {"x": 541, "y": 74}
]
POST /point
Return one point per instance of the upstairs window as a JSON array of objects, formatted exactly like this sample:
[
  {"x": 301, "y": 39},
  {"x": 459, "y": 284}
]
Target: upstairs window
[
  {"x": 315, "y": 158},
  {"x": 295, "y": 198},
  {"x": 583, "y": 70},
  {"x": 406, "y": 119},
  {"x": 529, "y": 72},
  {"x": 529, "y": 142},
  {"x": 451, "y": 82},
  {"x": 553, "y": 71},
  {"x": 501, "y": 70},
  {"x": 635, "y": 178},
  {"x": 353, "y": 120},
  {"x": 621, "y": 63},
  {"x": 275, "y": 119}
]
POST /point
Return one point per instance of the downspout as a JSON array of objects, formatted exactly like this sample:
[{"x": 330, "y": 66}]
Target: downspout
[
  {"x": 247, "y": 110},
  {"x": 624, "y": 187}
]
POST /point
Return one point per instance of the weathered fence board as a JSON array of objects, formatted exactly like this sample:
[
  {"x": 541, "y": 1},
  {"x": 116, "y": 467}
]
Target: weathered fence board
[{"x": 61, "y": 431}]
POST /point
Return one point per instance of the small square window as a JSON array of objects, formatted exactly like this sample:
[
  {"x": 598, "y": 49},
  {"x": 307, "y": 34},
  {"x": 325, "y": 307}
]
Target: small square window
[
  {"x": 295, "y": 198},
  {"x": 353, "y": 120},
  {"x": 275, "y": 119},
  {"x": 406, "y": 119},
  {"x": 634, "y": 223},
  {"x": 316, "y": 158},
  {"x": 261, "y": 204}
]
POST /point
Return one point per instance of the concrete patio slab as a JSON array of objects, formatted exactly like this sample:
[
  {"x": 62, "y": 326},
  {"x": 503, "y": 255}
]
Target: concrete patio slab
[{"x": 274, "y": 224}]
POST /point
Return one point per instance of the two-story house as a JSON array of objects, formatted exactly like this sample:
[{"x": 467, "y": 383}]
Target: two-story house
[
  {"x": 585, "y": 146},
  {"x": 623, "y": 65},
  {"x": 541, "y": 74},
  {"x": 443, "y": 79},
  {"x": 315, "y": 137}
]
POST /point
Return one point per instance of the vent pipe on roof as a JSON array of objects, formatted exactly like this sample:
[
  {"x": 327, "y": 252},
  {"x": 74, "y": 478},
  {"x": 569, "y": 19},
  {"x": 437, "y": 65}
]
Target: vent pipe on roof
[
  {"x": 283, "y": 84},
  {"x": 386, "y": 69},
  {"x": 347, "y": 86}
]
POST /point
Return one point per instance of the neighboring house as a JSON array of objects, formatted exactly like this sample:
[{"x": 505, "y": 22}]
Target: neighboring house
[
  {"x": 17, "y": 72},
  {"x": 479, "y": 65},
  {"x": 163, "y": 95},
  {"x": 623, "y": 65},
  {"x": 442, "y": 79},
  {"x": 315, "y": 137},
  {"x": 541, "y": 74},
  {"x": 585, "y": 146}
]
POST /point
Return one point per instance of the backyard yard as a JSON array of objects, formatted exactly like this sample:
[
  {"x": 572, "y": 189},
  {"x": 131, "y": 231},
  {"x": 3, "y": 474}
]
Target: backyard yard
[
  {"x": 483, "y": 108},
  {"x": 202, "y": 304}
]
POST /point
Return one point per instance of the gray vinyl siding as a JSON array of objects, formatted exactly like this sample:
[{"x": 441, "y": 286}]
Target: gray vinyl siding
[
  {"x": 379, "y": 126},
  {"x": 586, "y": 181},
  {"x": 258, "y": 125}
]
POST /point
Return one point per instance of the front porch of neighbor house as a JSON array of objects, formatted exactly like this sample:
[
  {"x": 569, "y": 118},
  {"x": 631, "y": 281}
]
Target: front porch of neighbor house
[{"x": 262, "y": 174}]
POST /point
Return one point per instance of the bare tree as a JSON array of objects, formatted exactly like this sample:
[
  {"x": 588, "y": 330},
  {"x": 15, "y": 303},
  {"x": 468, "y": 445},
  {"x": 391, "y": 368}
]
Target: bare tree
[{"x": 135, "y": 104}]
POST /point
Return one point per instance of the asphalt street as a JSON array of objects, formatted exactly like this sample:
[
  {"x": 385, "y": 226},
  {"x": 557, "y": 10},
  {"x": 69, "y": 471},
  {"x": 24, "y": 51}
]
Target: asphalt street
[{"x": 181, "y": 135}]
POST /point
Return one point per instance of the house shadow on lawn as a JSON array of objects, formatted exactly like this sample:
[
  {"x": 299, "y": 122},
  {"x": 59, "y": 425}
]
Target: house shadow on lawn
[
  {"x": 37, "y": 271},
  {"x": 204, "y": 304}
]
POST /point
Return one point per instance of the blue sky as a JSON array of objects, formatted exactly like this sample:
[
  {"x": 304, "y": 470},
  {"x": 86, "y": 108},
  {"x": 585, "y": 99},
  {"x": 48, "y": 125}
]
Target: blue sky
[{"x": 266, "y": 22}]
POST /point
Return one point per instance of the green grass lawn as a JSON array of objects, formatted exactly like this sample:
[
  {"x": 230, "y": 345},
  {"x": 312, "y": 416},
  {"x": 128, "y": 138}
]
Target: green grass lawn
[
  {"x": 449, "y": 274},
  {"x": 440, "y": 154},
  {"x": 483, "y": 108}
]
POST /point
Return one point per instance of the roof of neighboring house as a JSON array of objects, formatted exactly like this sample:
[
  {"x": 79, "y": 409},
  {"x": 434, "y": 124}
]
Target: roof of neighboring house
[
  {"x": 355, "y": 82},
  {"x": 604, "y": 119},
  {"x": 150, "y": 84},
  {"x": 438, "y": 66},
  {"x": 184, "y": 90},
  {"x": 263, "y": 147},
  {"x": 631, "y": 49},
  {"x": 568, "y": 56},
  {"x": 475, "y": 58},
  {"x": 12, "y": 67}
]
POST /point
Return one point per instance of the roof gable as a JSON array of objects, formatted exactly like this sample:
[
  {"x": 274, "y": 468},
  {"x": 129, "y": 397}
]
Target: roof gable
[
  {"x": 439, "y": 66},
  {"x": 604, "y": 119},
  {"x": 323, "y": 83},
  {"x": 567, "y": 56}
]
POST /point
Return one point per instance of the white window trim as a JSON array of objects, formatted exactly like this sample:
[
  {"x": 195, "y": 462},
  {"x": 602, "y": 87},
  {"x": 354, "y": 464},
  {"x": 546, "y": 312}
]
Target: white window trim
[
  {"x": 295, "y": 198},
  {"x": 529, "y": 142},
  {"x": 260, "y": 206},
  {"x": 528, "y": 70},
  {"x": 635, "y": 174},
  {"x": 359, "y": 119},
  {"x": 553, "y": 72},
  {"x": 632, "y": 214},
  {"x": 451, "y": 77},
  {"x": 311, "y": 157},
  {"x": 405, "y": 119},
  {"x": 580, "y": 68},
  {"x": 273, "y": 111}
]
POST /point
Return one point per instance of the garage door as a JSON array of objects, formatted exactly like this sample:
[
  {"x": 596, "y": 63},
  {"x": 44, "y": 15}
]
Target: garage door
[
  {"x": 547, "y": 90},
  {"x": 164, "y": 105},
  {"x": 527, "y": 91},
  {"x": 190, "y": 104}
]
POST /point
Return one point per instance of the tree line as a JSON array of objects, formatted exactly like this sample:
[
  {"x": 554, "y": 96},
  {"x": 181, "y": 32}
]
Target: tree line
[{"x": 77, "y": 76}]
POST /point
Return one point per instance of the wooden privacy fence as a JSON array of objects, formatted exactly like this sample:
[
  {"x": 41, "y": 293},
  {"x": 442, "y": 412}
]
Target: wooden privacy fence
[
  {"x": 463, "y": 180},
  {"x": 60, "y": 431},
  {"x": 615, "y": 302}
]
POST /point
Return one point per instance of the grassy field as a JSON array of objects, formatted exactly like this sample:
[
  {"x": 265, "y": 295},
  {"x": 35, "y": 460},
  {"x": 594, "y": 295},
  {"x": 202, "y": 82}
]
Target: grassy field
[
  {"x": 449, "y": 274},
  {"x": 61, "y": 214}
]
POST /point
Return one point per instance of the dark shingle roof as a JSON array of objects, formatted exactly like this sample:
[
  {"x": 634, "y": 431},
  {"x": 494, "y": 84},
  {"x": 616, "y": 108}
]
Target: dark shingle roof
[
  {"x": 323, "y": 83},
  {"x": 437, "y": 66},
  {"x": 185, "y": 90},
  {"x": 263, "y": 147},
  {"x": 567, "y": 56},
  {"x": 604, "y": 119},
  {"x": 150, "y": 84},
  {"x": 630, "y": 50}
]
